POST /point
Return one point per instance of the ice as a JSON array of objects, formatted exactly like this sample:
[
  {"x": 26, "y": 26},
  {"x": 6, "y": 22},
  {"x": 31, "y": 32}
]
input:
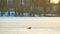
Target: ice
[
  {"x": 5, "y": 14},
  {"x": 0, "y": 13},
  {"x": 36, "y": 15},
  {"x": 26, "y": 14},
  {"x": 12, "y": 13},
  {"x": 50, "y": 14}
]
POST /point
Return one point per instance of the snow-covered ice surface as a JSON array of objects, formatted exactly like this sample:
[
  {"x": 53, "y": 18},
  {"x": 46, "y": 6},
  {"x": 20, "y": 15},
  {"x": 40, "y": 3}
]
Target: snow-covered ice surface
[{"x": 39, "y": 25}]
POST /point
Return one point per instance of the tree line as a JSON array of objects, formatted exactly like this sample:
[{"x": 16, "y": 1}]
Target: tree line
[{"x": 31, "y": 6}]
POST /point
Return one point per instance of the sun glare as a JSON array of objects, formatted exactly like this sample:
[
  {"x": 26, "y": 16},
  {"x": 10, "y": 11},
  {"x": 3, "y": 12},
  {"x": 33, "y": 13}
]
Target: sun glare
[{"x": 54, "y": 1}]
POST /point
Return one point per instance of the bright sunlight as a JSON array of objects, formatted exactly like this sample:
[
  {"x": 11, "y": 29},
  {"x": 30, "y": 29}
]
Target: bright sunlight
[{"x": 54, "y": 1}]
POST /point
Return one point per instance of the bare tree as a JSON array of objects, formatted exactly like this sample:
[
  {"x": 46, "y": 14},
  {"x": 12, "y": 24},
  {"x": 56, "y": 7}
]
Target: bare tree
[
  {"x": 22, "y": 7},
  {"x": 2, "y": 7},
  {"x": 58, "y": 11},
  {"x": 16, "y": 5}
]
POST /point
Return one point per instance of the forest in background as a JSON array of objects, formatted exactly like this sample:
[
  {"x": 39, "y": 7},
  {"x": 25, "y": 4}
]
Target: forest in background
[{"x": 30, "y": 7}]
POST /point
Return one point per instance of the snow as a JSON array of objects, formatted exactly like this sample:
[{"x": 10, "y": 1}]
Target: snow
[{"x": 39, "y": 25}]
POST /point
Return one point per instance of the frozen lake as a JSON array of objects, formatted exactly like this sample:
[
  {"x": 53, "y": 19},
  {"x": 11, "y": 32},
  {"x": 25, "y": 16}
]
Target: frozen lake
[{"x": 19, "y": 25}]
